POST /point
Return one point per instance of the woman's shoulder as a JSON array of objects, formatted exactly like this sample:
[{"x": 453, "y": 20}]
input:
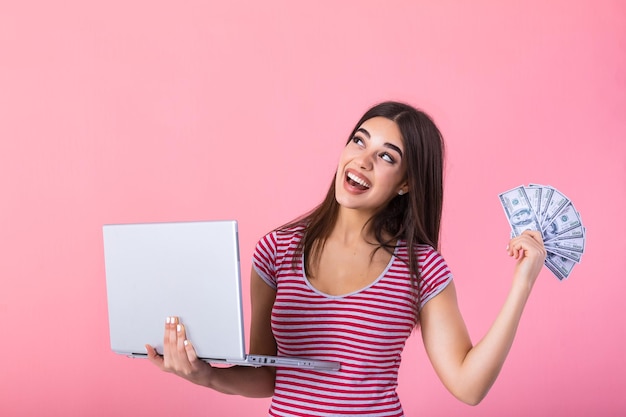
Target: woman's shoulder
[
  {"x": 291, "y": 229},
  {"x": 288, "y": 233},
  {"x": 433, "y": 268},
  {"x": 285, "y": 234},
  {"x": 421, "y": 250}
]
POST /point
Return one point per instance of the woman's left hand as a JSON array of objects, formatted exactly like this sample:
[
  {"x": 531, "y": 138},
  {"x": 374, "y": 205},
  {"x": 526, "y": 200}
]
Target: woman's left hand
[{"x": 530, "y": 253}]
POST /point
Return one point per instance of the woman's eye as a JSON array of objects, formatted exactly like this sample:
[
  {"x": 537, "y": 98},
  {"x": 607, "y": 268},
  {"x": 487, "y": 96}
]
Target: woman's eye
[
  {"x": 357, "y": 140},
  {"x": 386, "y": 157}
]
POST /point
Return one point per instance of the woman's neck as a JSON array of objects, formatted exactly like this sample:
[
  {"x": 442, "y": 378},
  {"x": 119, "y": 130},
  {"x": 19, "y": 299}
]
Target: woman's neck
[{"x": 352, "y": 227}]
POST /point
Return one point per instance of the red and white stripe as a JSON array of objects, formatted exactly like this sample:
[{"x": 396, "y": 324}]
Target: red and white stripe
[{"x": 365, "y": 331}]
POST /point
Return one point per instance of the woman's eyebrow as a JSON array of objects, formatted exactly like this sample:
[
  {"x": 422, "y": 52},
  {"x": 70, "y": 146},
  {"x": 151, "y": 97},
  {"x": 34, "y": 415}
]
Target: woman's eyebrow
[
  {"x": 365, "y": 132},
  {"x": 394, "y": 147},
  {"x": 386, "y": 144}
]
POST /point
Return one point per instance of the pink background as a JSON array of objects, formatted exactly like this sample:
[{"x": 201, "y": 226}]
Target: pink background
[{"x": 123, "y": 111}]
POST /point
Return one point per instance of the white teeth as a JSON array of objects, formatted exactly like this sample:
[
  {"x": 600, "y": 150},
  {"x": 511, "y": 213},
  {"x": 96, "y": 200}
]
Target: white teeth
[{"x": 358, "y": 180}]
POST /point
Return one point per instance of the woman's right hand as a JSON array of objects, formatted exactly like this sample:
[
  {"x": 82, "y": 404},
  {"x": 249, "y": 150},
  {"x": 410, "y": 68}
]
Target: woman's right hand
[{"x": 179, "y": 357}]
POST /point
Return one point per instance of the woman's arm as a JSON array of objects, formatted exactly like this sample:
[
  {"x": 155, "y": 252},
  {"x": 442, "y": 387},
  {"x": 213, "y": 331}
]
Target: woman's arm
[
  {"x": 467, "y": 371},
  {"x": 179, "y": 356}
]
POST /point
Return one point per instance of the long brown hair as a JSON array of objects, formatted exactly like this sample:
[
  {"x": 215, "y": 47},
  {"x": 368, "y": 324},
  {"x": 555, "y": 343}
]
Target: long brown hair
[{"x": 414, "y": 217}]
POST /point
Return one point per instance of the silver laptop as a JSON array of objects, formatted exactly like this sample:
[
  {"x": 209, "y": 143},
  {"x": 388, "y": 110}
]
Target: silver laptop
[{"x": 185, "y": 269}]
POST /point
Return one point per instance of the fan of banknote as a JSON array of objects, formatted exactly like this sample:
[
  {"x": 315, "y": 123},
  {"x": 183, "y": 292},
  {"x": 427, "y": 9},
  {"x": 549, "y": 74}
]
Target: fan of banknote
[{"x": 544, "y": 208}]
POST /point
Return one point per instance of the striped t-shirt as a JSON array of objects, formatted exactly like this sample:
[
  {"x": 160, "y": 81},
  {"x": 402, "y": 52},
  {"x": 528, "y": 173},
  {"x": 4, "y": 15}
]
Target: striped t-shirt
[{"x": 365, "y": 331}]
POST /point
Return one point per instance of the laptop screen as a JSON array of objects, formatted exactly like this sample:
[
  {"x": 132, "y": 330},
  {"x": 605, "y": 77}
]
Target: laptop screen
[{"x": 185, "y": 269}]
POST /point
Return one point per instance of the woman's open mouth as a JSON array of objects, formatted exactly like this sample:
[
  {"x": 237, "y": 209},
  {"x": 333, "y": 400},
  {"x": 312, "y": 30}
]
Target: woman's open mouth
[{"x": 356, "y": 181}]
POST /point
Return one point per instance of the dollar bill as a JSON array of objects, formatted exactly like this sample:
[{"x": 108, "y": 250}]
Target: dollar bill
[
  {"x": 544, "y": 208},
  {"x": 575, "y": 244},
  {"x": 519, "y": 211},
  {"x": 546, "y": 194},
  {"x": 567, "y": 219},
  {"x": 572, "y": 256},
  {"x": 557, "y": 202},
  {"x": 578, "y": 231},
  {"x": 561, "y": 267},
  {"x": 534, "y": 197}
]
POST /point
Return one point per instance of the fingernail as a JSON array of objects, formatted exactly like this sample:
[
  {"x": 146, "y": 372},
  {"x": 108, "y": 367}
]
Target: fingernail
[
  {"x": 178, "y": 328},
  {"x": 185, "y": 342},
  {"x": 168, "y": 320}
]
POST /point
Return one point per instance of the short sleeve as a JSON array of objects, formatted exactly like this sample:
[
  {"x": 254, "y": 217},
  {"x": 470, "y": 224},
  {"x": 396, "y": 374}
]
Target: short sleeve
[
  {"x": 264, "y": 259},
  {"x": 435, "y": 275}
]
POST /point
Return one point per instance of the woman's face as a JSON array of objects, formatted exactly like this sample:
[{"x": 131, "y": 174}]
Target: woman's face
[{"x": 371, "y": 168}]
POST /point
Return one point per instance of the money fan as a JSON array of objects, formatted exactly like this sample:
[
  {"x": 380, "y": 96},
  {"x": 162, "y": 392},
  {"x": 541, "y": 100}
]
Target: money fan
[{"x": 544, "y": 208}]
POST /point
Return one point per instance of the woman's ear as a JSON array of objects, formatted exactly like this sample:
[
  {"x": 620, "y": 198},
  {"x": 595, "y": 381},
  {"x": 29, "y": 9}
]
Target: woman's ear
[{"x": 404, "y": 188}]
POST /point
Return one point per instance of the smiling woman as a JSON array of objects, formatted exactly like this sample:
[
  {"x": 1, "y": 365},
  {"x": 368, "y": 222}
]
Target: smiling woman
[
  {"x": 349, "y": 282},
  {"x": 123, "y": 111},
  {"x": 371, "y": 171}
]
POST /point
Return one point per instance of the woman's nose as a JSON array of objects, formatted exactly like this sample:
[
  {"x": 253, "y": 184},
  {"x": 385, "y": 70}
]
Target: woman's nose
[{"x": 366, "y": 160}]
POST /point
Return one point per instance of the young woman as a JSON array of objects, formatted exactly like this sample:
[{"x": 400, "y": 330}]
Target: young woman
[{"x": 350, "y": 280}]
